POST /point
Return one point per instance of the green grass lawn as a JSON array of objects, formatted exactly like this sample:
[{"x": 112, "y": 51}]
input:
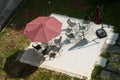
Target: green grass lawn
[{"x": 12, "y": 39}]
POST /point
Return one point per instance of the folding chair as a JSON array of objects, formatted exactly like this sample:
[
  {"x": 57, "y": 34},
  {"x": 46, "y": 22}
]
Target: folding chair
[{"x": 71, "y": 22}]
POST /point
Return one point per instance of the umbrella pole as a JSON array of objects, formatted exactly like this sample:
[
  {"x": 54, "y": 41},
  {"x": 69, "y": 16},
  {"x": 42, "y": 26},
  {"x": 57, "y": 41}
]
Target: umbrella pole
[{"x": 101, "y": 10}]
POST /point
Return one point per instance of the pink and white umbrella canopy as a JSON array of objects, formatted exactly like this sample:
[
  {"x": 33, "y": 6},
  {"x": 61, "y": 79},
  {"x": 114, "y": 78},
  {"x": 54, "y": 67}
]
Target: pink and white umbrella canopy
[{"x": 43, "y": 29}]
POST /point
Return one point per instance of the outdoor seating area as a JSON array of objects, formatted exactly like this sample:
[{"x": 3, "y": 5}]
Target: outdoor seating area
[
  {"x": 46, "y": 50},
  {"x": 74, "y": 51}
]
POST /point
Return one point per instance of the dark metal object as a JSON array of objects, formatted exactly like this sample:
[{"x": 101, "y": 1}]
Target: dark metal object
[
  {"x": 37, "y": 47},
  {"x": 101, "y": 33}
]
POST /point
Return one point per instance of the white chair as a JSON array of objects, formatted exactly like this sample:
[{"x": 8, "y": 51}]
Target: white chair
[
  {"x": 71, "y": 22},
  {"x": 70, "y": 37},
  {"x": 58, "y": 41},
  {"x": 86, "y": 19},
  {"x": 54, "y": 51},
  {"x": 86, "y": 22},
  {"x": 68, "y": 30}
]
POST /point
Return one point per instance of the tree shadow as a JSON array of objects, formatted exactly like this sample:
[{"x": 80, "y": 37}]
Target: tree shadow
[{"x": 15, "y": 69}]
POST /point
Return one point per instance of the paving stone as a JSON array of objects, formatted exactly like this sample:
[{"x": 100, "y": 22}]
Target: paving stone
[
  {"x": 101, "y": 61},
  {"x": 106, "y": 73},
  {"x": 110, "y": 67}
]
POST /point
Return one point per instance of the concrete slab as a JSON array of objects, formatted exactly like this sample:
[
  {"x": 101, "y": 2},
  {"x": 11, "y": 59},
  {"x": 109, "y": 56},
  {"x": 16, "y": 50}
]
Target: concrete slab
[
  {"x": 101, "y": 61},
  {"x": 110, "y": 41},
  {"x": 77, "y": 59},
  {"x": 113, "y": 36}
]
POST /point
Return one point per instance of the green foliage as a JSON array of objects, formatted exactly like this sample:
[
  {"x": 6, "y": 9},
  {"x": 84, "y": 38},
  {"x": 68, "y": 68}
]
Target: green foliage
[
  {"x": 51, "y": 75},
  {"x": 114, "y": 62},
  {"x": 95, "y": 73},
  {"x": 1, "y": 60},
  {"x": 104, "y": 54}
]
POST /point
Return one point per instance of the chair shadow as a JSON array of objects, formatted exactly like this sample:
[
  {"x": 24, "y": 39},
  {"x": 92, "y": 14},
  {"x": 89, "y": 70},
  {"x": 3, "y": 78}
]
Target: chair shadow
[{"x": 15, "y": 69}]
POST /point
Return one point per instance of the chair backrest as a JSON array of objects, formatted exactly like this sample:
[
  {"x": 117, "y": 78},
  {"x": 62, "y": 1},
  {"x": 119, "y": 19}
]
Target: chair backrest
[
  {"x": 57, "y": 41},
  {"x": 56, "y": 48},
  {"x": 70, "y": 36},
  {"x": 47, "y": 50},
  {"x": 71, "y": 22},
  {"x": 68, "y": 30},
  {"x": 36, "y": 46}
]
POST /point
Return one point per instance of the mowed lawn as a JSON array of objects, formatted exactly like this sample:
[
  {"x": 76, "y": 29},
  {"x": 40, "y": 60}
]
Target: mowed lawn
[{"x": 13, "y": 41}]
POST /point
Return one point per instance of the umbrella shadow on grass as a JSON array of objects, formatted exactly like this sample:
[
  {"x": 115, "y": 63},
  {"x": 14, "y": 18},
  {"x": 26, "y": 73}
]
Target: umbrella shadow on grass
[{"x": 15, "y": 69}]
